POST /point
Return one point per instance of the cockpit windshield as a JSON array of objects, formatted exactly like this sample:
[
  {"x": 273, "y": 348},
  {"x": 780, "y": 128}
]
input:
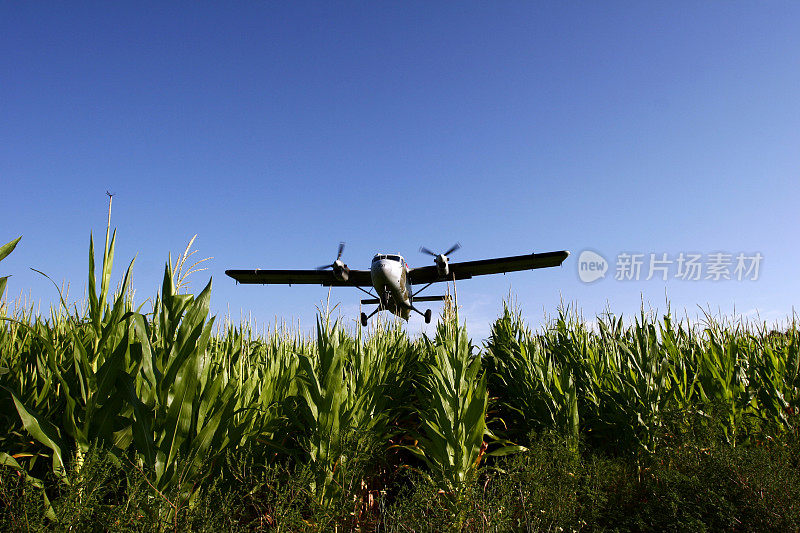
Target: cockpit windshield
[{"x": 378, "y": 257}]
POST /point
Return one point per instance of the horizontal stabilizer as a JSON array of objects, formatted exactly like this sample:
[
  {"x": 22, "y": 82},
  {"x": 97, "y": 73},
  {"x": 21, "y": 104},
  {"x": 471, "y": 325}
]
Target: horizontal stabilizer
[
  {"x": 375, "y": 301},
  {"x": 429, "y": 298}
]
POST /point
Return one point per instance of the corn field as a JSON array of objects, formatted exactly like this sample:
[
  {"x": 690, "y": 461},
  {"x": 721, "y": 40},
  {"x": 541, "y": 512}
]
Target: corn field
[{"x": 168, "y": 395}]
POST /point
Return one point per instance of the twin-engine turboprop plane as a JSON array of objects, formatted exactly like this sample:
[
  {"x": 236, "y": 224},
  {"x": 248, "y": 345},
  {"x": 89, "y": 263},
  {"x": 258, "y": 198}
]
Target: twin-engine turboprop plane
[{"x": 392, "y": 279}]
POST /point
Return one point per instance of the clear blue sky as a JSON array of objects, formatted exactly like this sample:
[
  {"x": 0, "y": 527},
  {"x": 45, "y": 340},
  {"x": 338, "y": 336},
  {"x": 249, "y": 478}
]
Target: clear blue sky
[{"x": 273, "y": 130}]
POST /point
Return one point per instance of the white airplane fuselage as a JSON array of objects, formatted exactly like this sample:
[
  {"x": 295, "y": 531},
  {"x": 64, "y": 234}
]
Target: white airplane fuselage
[{"x": 389, "y": 274}]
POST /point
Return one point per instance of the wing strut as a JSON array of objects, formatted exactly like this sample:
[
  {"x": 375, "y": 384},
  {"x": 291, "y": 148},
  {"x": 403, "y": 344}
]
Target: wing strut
[
  {"x": 422, "y": 289},
  {"x": 362, "y": 290}
]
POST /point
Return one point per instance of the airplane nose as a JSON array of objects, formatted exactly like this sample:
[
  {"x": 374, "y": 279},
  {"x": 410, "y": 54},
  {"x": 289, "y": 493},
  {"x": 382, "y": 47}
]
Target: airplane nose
[
  {"x": 382, "y": 268},
  {"x": 381, "y": 271}
]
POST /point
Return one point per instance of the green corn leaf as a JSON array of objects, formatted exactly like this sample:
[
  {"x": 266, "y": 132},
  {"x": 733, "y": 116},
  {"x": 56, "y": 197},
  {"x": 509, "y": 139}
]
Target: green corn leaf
[
  {"x": 215, "y": 430},
  {"x": 507, "y": 450},
  {"x": 108, "y": 263},
  {"x": 44, "y": 432},
  {"x": 117, "y": 311},
  {"x": 149, "y": 368},
  {"x": 179, "y": 416},
  {"x": 8, "y": 248},
  {"x": 142, "y": 422},
  {"x": 7, "y": 460},
  {"x": 94, "y": 302}
]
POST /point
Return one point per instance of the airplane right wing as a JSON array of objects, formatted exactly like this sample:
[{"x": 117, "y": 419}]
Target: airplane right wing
[{"x": 468, "y": 269}]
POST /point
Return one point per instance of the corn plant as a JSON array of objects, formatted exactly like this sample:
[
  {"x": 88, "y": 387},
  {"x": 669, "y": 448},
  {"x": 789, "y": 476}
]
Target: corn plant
[
  {"x": 535, "y": 392},
  {"x": 323, "y": 409},
  {"x": 452, "y": 412},
  {"x": 635, "y": 394},
  {"x": 83, "y": 361},
  {"x": 183, "y": 410},
  {"x": 117, "y": 380},
  {"x": 264, "y": 372},
  {"x": 775, "y": 375},
  {"x": 348, "y": 391}
]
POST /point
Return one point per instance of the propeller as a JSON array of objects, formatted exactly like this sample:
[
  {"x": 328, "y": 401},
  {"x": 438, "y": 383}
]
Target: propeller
[
  {"x": 340, "y": 270},
  {"x": 452, "y": 249},
  {"x": 338, "y": 259},
  {"x": 441, "y": 260}
]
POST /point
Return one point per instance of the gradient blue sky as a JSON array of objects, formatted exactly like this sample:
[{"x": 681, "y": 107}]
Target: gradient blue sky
[{"x": 275, "y": 130}]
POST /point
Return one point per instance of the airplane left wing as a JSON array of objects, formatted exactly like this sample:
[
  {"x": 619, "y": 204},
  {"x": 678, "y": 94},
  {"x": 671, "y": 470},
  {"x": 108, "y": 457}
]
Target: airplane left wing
[
  {"x": 361, "y": 278},
  {"x": 468, "y": 269}
]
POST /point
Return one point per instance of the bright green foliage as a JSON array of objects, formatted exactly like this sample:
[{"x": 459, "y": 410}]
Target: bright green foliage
[
  {"x": 776, "y": 376},
  {"x": 4, "y": 251},
  {"x": 263, "y": 371},
  {"x": 347, "y": 391},
  {"x": 324, "y": 409},
  {"x": 70, "y": 401},
  {"x": 535, "y": 391},
  {"x": 164, "y": 397},
  {"x": 121, "y": 381},
  {"x": 180, "y": 408},
  {"x": 616, "y": 385},
  {"x": 452, "y": 410}
]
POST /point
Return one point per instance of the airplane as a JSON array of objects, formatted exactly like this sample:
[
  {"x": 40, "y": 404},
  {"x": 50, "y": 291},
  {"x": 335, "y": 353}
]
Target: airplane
[{"x": 393, "y": 280}]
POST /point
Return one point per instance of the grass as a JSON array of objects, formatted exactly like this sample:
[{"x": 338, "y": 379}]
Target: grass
[{"x": 543, "y": 489}]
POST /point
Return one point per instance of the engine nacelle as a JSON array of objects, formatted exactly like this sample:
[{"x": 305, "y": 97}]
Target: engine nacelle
[
  {"x": 443, "y": 266},
  {"x": 342, "y": 273},
  {"x": 441, "y": 260}
]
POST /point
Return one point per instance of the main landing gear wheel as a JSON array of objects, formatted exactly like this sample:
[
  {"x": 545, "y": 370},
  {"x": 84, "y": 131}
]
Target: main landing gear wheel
[
  {"x": 364, "y": 319},
  {"x": 428, "y": 316}
]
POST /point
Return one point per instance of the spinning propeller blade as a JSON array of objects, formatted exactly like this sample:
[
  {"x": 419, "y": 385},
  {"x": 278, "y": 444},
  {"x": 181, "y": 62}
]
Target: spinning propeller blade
[
  {"x": 338, "y": 258},
  {"x": 452, "y": 249}
]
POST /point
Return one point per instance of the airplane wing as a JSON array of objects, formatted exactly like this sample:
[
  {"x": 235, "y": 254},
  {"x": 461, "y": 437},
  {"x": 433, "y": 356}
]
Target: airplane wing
[
  {"x": 361, "y": 278},
  {"x": 468, "y": 269}
]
